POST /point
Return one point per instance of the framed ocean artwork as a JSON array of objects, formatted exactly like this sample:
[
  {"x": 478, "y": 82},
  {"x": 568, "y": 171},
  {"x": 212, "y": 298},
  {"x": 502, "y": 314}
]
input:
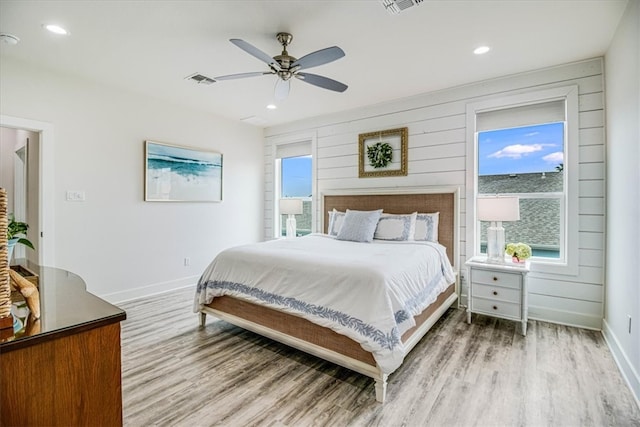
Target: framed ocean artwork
[{"x": 181, "y": 174}]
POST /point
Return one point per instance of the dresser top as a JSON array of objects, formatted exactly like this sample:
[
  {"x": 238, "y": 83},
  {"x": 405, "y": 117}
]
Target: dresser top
[
  {"x": 66, "y": 308},
  {"x": 508, "y": 265}
]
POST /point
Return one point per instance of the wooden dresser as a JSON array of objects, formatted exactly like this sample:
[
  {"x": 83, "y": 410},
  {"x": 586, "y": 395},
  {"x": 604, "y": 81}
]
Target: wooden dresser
[{"x": 65, "y": 368}]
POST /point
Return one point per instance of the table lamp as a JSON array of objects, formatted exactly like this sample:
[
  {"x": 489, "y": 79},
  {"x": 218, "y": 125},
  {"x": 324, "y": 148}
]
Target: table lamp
[
  {"x": 291, "y": 207},
  {"x": 497, "y": 209}
]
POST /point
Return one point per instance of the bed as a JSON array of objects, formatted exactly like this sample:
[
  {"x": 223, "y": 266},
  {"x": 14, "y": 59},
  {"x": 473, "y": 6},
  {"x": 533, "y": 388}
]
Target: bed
[{"x": 228, "y": 289}]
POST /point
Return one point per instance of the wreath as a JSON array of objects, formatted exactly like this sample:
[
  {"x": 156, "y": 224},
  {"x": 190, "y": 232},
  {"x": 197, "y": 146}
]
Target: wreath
[{"x": 379, "y": 154}]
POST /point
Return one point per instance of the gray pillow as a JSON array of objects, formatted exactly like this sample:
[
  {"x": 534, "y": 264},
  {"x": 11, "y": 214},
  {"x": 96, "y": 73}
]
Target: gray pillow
[{"x": 359, "y": 226}]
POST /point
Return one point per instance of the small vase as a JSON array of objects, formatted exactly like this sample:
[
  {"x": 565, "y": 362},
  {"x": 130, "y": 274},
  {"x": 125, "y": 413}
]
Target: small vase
[
  {"x": 10, "y": 245},
  {"x": 517, "y": 260}
]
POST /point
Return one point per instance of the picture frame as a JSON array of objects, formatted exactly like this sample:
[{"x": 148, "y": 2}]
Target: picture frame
[
  {"x": 174, "y": 173},
  {"x": 383, "y": 153}
]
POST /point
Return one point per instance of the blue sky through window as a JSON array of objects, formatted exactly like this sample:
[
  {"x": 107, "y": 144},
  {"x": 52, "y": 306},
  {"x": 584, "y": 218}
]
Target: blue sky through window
[
  {"x": 525, "y": 149},
  {"x": 296, "y": 176}
]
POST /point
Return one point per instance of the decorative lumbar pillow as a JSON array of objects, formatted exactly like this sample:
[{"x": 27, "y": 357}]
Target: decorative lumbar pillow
[
  {"x": 336, "y": 218},
  {"x": 359, "y": 226},
  {"x": 396, "y": 227},
  {"x": 427, "y": 226}
]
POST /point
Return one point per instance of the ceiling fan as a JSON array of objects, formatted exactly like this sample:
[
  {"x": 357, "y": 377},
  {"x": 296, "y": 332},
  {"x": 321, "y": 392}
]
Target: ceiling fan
[{"x": 286, "y": 66}]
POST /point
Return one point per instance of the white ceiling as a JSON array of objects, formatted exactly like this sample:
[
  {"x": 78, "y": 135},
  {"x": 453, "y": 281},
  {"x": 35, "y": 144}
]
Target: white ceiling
[{"x": 150, "y": 46}]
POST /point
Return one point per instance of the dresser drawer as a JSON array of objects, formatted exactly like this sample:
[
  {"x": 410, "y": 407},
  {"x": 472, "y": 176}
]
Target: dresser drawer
[
  {"x": 496, "y": 293},
  {"x": 497, "y": 278},
  {"x": 496, "y": 308}
]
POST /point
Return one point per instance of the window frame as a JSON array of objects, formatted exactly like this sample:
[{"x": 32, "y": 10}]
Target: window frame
[{"x": 569, "y": 218}]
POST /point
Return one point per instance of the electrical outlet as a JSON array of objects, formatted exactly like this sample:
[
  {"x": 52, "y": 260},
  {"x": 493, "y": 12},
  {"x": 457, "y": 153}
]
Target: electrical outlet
[{"x": 187, "y": 261}]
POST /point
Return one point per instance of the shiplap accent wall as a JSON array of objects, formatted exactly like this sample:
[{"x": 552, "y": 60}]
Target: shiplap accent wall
[{"x": 437, "y": 157}]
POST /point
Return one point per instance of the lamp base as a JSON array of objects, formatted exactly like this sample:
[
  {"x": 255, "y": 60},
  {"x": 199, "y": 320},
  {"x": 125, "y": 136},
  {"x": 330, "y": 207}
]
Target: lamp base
[
  {"x": 291, "y": 226},
  {"x": 495, "y": 243}
]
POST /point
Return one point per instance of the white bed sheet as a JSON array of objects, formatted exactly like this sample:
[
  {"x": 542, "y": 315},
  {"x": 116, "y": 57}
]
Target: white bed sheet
[{"x": 366, "y": 291}]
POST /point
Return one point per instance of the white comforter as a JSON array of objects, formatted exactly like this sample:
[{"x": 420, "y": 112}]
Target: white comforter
[{"x": 366, "y": 291}]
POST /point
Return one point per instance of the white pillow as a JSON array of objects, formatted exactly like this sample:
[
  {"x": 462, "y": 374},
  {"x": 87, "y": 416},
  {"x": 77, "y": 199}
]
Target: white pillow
[
  {"x": 396, "y": 227},
  {"x": 427, "y": 226},
  {"x": 359, "y": 226},
  {"x": 336, "y": 218}
]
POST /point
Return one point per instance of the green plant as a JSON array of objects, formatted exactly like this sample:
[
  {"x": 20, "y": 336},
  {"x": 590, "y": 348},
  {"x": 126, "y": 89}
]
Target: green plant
[
  {"x": 519, "y": 250},
  {"x": 17, "y": 229}
]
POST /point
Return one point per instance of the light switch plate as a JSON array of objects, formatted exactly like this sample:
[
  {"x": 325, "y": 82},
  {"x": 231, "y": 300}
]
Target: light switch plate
[{"x": 75, "y": 196}]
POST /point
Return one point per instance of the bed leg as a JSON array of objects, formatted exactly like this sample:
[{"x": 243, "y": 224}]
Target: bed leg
[
  {"x": 381, "y": 388},
  {"x": 203, "y": 318}
]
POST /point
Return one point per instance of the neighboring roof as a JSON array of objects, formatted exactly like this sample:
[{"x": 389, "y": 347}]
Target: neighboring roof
[{"x": 533, "y": 212}]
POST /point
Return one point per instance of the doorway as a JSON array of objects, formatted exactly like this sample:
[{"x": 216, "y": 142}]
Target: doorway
[
  {"x": 19, "y": 170},
  {"x": 32, "y": 169}
]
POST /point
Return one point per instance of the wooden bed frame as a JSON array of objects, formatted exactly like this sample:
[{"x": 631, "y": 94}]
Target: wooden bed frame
[{"x": 325, "y": 343}]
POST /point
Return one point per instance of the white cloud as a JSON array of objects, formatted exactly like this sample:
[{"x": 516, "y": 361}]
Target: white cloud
[
  {"x": 557, "y": 157},
  {"x": 517, "y": 151}
]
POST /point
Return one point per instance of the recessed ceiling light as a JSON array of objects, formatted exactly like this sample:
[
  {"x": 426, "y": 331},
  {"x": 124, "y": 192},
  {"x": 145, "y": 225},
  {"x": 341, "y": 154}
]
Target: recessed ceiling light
[
  {"x": 56, "y": 29},
  {"x": 271, "y": 107},
  {"x": 482, "y": 49}
]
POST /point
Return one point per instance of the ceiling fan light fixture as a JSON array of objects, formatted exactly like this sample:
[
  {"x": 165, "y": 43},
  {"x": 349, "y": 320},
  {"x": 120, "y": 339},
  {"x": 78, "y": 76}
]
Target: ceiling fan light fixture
[{"x": 9, "y": 39}]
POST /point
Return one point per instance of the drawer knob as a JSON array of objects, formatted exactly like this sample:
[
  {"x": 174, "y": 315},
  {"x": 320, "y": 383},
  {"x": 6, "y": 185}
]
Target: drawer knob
[
  {"x": 495, "y": 279},
  {"x": 495, "y": 307},
  {"x": 495, "y": 292}
]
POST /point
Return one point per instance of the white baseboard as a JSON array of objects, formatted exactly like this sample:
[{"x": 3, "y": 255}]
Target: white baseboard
[
  {"x": 153, "y": 289},
  {"x": 628, "y": 371}
]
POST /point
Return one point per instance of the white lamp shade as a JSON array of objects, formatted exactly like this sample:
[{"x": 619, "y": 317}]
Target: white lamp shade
[
  {"x": 498, "y": 208},
  {"x": 290, "y": 206}
]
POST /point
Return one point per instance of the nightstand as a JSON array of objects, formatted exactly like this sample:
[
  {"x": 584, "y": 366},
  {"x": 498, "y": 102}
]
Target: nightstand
[{"x": 498, "y": 290}]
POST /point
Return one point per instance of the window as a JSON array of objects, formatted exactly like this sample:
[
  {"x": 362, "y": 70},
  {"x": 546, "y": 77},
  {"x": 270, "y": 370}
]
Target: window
[
  {"x": 526, "y": 162},
  {"x": 294, "y": 172},
  {"x": 526, "y": 146}
]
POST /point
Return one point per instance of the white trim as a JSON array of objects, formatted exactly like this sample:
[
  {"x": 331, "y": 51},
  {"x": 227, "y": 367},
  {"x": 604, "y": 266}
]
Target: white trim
[
  {"x": 46, "y": 242},
  {"x": 150, "y": 290},
  {"x": 570, "y": 94},
  {"x": 627, "y": 370}
]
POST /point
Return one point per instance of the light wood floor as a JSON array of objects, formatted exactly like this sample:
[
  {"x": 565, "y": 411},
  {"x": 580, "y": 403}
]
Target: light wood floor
[{"x": 485, "y": 374}]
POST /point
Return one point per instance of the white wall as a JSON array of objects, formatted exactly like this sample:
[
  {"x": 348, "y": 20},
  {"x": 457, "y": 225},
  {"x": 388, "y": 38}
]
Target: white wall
[
  {"x": 437, "y": 157},
  {"x": 622, "y": 65},
  {"x": 122, "y": 246}
]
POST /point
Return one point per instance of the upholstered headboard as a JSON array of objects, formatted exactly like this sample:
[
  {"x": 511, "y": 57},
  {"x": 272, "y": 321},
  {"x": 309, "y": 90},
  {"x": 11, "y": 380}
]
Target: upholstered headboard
[{"x": 444, "y": 201}]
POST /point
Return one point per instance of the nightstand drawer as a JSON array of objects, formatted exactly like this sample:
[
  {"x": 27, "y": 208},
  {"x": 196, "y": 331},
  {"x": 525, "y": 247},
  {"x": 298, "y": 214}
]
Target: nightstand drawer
[
  {"x": 496, "y": 293},
  {"x": 496, "y": 308},
  {"x": 497, "y": 278}
]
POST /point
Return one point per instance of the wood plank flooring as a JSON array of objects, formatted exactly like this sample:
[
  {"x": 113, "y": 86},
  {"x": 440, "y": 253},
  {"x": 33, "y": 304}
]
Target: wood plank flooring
[{"x": 484, "y": 374}]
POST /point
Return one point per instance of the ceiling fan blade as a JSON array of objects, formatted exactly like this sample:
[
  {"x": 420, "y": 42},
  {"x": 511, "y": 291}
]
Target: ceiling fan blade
[
  {"x": 241, "y": 75},
  {"x": 254, "y": 51},
  {"x": 319, "y": 57},
  {"x": 281, "y": 91},
  {"x": 321, "y": 81}
]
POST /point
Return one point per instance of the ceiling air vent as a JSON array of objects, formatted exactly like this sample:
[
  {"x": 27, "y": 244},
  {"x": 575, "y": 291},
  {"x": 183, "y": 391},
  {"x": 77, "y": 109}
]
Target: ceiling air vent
[
  {"x": 394, "y": 7},
  {"x": 200, "y": 79}
]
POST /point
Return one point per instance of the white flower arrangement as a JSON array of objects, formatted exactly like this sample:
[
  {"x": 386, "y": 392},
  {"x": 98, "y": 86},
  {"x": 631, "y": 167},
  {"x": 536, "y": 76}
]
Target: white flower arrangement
[{"x": 520, "y": 251}]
